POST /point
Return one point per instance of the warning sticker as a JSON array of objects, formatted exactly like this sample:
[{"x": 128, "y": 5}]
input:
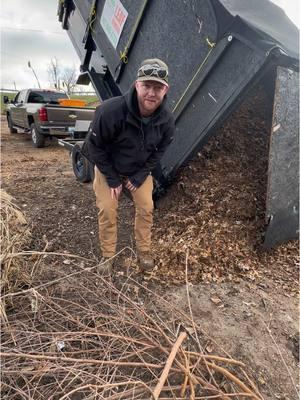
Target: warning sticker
[{"x": 113, "y": 19}]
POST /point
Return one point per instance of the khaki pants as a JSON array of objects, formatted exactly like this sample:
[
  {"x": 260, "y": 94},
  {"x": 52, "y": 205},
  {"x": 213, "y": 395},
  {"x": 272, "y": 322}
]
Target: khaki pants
[{"x": 107, "y": 216}]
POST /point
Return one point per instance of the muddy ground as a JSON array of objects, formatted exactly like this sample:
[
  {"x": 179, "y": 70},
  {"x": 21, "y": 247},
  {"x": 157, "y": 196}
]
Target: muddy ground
[{"x": 243, "y": 298}]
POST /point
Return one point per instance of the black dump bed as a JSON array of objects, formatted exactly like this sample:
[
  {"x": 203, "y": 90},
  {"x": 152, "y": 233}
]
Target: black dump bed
[{"x": 216, "y": 51}]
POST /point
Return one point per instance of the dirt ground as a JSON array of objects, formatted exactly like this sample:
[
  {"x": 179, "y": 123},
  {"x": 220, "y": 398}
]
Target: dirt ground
[{"x": 244, "y": 299}]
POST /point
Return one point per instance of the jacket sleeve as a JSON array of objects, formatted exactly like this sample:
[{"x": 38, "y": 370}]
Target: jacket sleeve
[
  {"x": 139, "y": 177},
  {"x": 101, "y": 135}
]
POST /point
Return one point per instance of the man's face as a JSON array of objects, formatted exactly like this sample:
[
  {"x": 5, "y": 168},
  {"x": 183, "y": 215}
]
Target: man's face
[{"x": 150, "y": 95}]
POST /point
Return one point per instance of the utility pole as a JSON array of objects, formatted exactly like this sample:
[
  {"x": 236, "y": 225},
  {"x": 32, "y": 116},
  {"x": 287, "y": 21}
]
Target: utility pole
[{"x": 30, "y": 66}]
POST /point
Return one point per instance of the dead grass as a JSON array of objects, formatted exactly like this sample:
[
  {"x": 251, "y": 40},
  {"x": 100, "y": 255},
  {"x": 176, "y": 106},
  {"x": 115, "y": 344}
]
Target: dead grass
[{"x": 14, "y": 236}]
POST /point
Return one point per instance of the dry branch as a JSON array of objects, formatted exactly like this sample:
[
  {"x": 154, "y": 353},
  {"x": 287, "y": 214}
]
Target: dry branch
[
  {"x": 233, "y": 378},
  {"x": 80, "y": 360},
  {"x": 81, "y": 335},
  {"x": 169, "y": 362}
]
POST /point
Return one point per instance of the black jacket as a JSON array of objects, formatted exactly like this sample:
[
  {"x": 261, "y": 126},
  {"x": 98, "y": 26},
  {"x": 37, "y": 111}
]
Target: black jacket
[{"x": 120, "y": 144}]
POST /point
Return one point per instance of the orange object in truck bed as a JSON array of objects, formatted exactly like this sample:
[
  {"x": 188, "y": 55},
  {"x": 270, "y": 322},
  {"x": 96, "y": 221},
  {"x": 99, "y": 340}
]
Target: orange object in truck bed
[{"x": 72, "y": 102}]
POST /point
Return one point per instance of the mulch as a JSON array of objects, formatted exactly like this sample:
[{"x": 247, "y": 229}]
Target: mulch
[{"x": 213, "y": 218}]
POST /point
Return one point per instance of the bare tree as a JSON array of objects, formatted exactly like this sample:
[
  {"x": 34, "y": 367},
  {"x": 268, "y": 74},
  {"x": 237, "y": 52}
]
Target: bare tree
[
  {"x": 69, "y": 78},
  {"x": 62, "y": 78}
]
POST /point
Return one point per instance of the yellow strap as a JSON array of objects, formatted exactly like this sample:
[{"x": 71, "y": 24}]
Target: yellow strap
[
  {"x": 92, "y": 18},
  {"x": 212, "y": 45},
  {"x": 123, "y": 54}
]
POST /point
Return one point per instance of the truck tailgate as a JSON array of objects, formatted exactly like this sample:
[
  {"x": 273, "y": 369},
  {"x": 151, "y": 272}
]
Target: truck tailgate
[{"x": 67, "y": 116}]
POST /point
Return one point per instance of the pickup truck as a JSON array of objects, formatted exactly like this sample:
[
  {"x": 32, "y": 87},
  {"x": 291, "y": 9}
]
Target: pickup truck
[{"x": 41, "y": 113}]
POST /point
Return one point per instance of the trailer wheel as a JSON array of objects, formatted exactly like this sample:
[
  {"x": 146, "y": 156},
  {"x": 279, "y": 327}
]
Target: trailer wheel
[
  {"x": 38, "y": 139},
  {"x": 10, "y": 125},
  {"x": 82, "y": 168}
]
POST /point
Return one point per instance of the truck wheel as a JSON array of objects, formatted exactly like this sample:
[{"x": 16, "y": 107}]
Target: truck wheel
[
  {"x": 10, "y": 125},
  {"x": 38, "y": 139},
  {"x": 82, "y": 168}
]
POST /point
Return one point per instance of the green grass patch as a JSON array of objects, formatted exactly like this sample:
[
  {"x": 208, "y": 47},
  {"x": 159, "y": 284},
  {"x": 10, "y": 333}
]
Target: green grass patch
[
  {"x": 87, "y": 98},
  {"x": 11, "y": 96}
]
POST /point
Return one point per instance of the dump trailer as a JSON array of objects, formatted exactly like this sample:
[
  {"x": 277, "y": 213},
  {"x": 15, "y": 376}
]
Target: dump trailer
[{"x": 216, "y": 50}]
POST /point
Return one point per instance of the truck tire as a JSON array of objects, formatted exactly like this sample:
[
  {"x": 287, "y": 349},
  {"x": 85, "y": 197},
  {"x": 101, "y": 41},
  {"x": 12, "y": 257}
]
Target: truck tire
[
  {"x": 82, "y": 168},
  {"x": 38, "y": 139},
  {"x": 10, "y": 125}
]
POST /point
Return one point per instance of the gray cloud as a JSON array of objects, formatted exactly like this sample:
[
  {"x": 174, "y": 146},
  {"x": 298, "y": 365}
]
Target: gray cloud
[
  {"x": 30, "y": 14},
  {"x": 30, "y": 31}
]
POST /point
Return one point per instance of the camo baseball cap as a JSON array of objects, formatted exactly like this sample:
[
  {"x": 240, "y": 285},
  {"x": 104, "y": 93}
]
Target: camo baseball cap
[{"x": 153, "y": 69}]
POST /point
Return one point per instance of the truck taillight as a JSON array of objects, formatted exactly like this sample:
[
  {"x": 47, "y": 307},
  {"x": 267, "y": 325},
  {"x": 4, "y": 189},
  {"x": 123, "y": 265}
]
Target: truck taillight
[{"x": 43, "y": 114}]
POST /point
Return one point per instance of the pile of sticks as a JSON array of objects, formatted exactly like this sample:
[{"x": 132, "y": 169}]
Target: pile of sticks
[{"x": 83, "y": 337}]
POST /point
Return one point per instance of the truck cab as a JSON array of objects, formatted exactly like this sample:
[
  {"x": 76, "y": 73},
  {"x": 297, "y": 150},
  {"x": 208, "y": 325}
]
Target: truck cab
[
  {"x": 25, "y": 102},
  {"x": 43, "y": 113}
]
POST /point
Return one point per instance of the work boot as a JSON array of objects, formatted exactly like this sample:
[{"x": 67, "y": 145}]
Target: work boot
[
  {"x": 145, "y": 261},
  {"x": 105, "y": 267}
]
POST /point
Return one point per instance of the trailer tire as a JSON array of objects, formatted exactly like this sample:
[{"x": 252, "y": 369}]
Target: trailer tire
[
  {"x": 37, "y": 138},
  {"x": 82, "y": 168},
  {"x": 10, "y": 125}
]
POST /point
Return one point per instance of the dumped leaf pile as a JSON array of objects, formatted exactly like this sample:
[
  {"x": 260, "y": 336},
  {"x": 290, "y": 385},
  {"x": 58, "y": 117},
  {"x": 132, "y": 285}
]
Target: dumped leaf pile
[{"x": 213, "y": 216}]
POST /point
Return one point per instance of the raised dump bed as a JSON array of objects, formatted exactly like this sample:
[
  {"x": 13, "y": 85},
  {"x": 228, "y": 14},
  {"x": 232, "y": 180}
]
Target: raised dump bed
[{"x": 216, "y": 51}]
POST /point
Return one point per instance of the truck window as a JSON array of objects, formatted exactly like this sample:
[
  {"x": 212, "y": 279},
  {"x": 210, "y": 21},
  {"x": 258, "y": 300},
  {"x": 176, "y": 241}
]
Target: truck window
[
  {"x": 21, "y": 96},
  {"x": 35, "y": 98},
  {"x": 16, "y": 99},
  {"x": 46, "y": 97}
]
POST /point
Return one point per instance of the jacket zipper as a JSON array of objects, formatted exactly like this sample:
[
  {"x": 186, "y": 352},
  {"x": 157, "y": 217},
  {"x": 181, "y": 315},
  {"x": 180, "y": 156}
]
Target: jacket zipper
[
  {"x": 153, "y": 133},
  {"x": 143, "y": 137}
]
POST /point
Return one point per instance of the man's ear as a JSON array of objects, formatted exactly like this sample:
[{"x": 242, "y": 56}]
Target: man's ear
[
  {"x": 166, "y": 89},
  {"x": 136, "y": 84}
]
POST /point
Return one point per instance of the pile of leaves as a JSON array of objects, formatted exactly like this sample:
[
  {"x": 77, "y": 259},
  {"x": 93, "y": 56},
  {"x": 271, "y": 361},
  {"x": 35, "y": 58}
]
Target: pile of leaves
[{"x": 213, "y": 217}]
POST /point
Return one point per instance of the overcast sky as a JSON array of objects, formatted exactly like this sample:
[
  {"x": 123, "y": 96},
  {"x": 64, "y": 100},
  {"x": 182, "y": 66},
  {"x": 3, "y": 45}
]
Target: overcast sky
[{"x": 30, "y": 31}]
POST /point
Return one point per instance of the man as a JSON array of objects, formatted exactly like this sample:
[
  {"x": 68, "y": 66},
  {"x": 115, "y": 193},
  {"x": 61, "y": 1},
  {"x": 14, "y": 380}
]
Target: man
[{"x": 129, "y": 135}]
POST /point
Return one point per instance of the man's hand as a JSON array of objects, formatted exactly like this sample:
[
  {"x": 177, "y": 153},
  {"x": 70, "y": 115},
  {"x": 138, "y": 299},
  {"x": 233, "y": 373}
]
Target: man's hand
[
  {"x": 115, "y": 192},
  {"x": 130, "y": 186}
]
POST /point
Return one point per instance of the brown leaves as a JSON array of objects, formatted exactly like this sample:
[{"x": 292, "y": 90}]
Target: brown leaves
[{"x": 216, "y": 208}]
